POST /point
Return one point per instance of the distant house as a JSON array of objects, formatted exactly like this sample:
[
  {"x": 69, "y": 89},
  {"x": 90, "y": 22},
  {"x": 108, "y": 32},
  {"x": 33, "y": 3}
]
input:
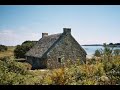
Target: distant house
[{"x": 52, "y": 51}]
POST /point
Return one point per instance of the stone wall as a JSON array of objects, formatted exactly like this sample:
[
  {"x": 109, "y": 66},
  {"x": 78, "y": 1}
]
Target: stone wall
[
  {"x": 65, "y": 49},
  {"x": 36, "y": 63}
]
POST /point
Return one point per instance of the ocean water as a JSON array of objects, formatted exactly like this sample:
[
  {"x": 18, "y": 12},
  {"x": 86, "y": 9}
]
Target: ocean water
[{"x": 90, "y": 50}]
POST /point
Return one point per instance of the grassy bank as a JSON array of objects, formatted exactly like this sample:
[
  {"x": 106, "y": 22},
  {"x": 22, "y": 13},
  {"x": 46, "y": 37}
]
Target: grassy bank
[{"x": 8, "y": 53}]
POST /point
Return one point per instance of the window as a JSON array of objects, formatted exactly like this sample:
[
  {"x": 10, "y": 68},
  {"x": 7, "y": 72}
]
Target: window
[{"x": 59, "y": 60}]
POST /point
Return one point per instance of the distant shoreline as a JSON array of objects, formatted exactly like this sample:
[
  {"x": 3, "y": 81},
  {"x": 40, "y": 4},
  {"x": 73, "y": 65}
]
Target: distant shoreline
[
  {"x": 102, "y": 45},
  {"x": 91, "y": 45}
]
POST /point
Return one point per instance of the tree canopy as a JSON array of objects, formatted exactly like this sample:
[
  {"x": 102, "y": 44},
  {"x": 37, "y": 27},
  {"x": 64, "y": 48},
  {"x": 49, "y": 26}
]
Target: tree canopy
[
  {"x": 20, "y": 50},
  {"x": 3, "y": 48}
]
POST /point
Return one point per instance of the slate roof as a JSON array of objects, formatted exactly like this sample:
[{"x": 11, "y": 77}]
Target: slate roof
[{"x": 43, "y": 45}]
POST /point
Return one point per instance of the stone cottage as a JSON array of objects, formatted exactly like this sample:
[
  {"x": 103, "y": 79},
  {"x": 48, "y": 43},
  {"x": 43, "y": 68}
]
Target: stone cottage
[{"x": 52, "y": 51}]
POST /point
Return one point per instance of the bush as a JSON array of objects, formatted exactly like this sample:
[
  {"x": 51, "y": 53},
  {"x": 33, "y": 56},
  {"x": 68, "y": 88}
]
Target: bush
[
  {"x": 99, "y": 72},
  {"x": 117, "y": 52},
  {"x": 4, "y": 58},
  {"x": 20, "y": 50},
  {"x": 97, "y": 53},
  {"x": 14, "y": 73},
  {"x": 3, "y": 48}
]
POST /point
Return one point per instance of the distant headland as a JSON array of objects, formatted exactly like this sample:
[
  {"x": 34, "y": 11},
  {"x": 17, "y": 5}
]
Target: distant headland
[
  {"x": 110, "y": 44},
  {"x": 92, "y": 45}
]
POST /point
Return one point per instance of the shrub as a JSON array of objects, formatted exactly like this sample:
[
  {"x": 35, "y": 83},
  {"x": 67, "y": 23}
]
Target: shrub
[
  {"x": 108, "y": 66},
  {"x": 97, "y": 53},
  {"x": 5, "y": 58},
  {"x": 117, "y": 52},
  {"x": 20, "y": 50},
  {"x": 3, "y": 48},
  {"x": 14, "y": 73}
]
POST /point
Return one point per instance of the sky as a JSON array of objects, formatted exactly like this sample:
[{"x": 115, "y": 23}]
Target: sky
[{"x": 90, "y": 24}]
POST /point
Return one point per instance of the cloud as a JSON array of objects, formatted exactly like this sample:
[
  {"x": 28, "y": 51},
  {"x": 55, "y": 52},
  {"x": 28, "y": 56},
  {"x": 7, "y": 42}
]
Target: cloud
[{"x": 11, "y": 38}]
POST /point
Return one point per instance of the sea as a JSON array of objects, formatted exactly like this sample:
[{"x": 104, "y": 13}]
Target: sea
[{"x": 90, "y": 50}]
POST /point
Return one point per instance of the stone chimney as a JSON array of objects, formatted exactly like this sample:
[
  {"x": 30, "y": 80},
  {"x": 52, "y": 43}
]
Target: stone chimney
[
  {"x": 44, "y": 34},
  {"x": 67, "y": 30}
]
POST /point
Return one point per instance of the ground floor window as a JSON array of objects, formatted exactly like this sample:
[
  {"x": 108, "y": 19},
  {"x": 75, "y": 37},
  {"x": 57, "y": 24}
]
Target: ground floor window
[{"x": 59, "y": 60}]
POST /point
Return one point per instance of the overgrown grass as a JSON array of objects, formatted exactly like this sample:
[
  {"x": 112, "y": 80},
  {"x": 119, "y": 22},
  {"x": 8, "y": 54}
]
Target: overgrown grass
[
  {"x": 7, "y": 53},
  {"x": 98, "y": 73},
  {"x": 104, "y": 70}
]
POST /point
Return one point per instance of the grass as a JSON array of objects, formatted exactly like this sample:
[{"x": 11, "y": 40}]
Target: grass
[{"x": 9, "y": 52}]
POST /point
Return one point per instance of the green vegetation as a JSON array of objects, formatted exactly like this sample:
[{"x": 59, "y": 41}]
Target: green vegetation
[
  {"x": 104, "y": 70},
  {"x": 117, "y": 52},
  {"x": 9, "y": 52},
  {"x": 115, "y": 44},
  {"x": 20, "y": 50},
  {"x": 99, "y": 73},
  {"x": 97, "y": 53},
  {"x": 3, "y": 48}
]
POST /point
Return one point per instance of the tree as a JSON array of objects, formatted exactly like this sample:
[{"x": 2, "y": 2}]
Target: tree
[
  {"x": 110, "y": 43},
  {"x": 107, "y": 52},
  {"x": 104, "y": 44},
  {"x": 97, "y": 53},
  {"x": 3, "y": 48},
  {"x": 117, "y": 43},
  {"x": 117, "y": 52},
  {"x": 20, "y": 50}
]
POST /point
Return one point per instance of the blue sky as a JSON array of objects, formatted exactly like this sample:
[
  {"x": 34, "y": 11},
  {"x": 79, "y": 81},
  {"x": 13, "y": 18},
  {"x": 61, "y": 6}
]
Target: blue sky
[{"x": 89, "y": 23}]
